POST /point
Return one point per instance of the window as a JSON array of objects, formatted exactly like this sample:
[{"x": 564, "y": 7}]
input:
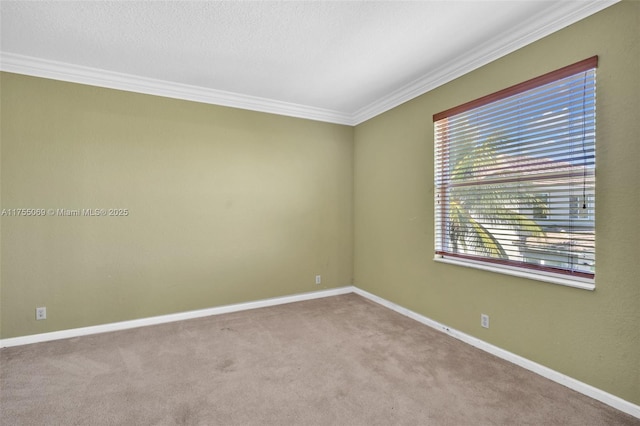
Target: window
[
  {"x": 515, "y": 179},
  {"x": 581, "y": 207},
  {"x": 540, "y": 209}
]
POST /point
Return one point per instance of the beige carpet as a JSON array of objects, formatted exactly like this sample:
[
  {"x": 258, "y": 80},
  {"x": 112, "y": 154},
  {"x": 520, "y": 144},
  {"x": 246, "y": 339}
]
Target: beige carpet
[{"x": 336, "y": 361}]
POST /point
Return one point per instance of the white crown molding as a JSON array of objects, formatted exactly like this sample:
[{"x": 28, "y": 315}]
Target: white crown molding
[
  {"x": 27, "y": 65},
  {"x": 563, "y": 14},
  {"x": 546, "y": 372}
]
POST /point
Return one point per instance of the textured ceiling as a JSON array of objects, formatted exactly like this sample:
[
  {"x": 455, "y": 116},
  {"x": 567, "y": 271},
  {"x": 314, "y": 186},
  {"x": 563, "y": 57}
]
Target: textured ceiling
[{"x": 349, "y": 59}]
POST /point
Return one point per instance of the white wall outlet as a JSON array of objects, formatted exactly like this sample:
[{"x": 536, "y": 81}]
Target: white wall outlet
[
  {"x": 41, "y": 313},
  {"x": 484, "y": 320},
  {"x": 318, "y": 279}
]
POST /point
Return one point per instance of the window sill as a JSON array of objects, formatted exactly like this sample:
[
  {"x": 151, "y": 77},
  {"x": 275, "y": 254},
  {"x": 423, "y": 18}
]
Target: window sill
[{"x": 582, "y": 283}]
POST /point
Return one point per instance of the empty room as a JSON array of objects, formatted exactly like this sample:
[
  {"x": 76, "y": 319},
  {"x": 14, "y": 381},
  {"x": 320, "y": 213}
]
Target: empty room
[{"x": 319, "y": 212}]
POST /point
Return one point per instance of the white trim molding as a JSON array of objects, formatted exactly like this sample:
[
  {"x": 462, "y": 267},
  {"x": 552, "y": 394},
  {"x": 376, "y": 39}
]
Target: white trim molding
[
  {"x": 546, "y": 372},
  {"x": 588, "y": 390},
  {"x": 162, "y": 319},
  {"x": 562, "y": 15},
  {"x": 548, "y": 277},
  {"x": 36, "y": 67}
]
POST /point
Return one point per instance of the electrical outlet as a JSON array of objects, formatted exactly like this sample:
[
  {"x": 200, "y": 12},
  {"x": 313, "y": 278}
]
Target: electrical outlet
[
  {"x": 484, "y": 320},
  {"x": 41, "y": 313},
  {"x": 318, "y": 279}
]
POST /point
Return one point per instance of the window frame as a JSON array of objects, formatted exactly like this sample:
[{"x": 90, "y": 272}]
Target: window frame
[{"x": 532, "y": 271}]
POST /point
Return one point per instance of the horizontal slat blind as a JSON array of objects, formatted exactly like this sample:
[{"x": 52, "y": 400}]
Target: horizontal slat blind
[{"x": 515, "y": 176}]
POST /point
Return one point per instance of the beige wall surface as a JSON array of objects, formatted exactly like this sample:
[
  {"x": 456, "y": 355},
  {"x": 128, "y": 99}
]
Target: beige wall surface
[
  {"x": 591, "y": 336},
  {"x": 225, "y": 205}
]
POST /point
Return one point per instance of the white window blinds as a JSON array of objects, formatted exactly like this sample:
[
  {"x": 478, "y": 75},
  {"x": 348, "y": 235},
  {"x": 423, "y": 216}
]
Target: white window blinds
[{"x": 515, "y": 175}]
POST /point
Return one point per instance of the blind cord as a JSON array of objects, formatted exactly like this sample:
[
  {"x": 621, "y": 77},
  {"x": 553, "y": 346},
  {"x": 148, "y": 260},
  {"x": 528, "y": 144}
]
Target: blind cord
[{"x": 584, "y": 137}]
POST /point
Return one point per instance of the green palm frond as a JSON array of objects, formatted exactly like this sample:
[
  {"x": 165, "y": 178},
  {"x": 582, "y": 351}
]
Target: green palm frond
[
  {"x": 466, "y": 231},
  {"x": 472, "y": 209}
]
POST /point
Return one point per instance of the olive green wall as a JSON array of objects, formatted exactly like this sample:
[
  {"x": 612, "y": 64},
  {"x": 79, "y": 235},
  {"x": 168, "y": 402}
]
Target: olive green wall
[
  {"x": 591, "y": 336},
  {"x": 225, "y": 205}
]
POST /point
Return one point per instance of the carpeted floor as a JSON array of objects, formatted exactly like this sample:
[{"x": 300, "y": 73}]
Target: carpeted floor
[{"x": 336, "y": 361}]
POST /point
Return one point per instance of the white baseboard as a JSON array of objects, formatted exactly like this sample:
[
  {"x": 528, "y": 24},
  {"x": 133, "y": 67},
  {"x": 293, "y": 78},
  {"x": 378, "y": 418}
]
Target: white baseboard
[
  {"x": 124, "y": 325},
  {"x": 578, "y": 386},
  {"x": 571, "y": 383}
]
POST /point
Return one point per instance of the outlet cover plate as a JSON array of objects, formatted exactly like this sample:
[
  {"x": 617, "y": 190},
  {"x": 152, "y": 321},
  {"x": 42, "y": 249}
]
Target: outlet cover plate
[
  {"x": 41, "y": 313},
  {"x": 484, "y": 320}
]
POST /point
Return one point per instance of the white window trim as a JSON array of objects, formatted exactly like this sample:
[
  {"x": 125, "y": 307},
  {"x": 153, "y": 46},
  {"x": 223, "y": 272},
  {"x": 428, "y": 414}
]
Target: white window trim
[{"x": 549, "y": 277}]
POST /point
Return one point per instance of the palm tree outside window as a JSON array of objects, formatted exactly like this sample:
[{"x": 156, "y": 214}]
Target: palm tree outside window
[{"x": 510, "y": 171}]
